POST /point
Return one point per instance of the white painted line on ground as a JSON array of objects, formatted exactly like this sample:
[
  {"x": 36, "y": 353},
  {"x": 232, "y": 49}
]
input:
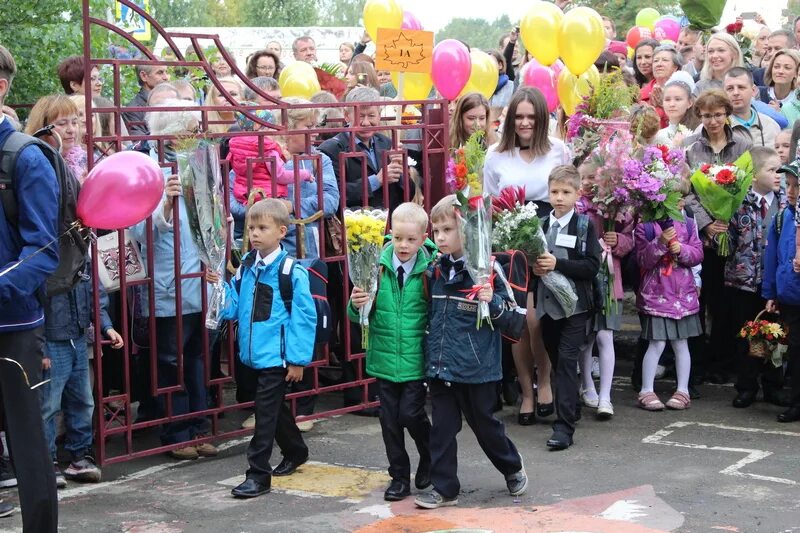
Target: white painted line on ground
[
  {"x": 80, "y": 490},
  {"x": 382, "y": 511},
  {"x": 625, "y": 511},
  {"x": 751, "y": 455}
]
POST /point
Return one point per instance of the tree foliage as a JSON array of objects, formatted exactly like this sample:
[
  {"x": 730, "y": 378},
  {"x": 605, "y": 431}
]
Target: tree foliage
[{"x": 476, "y": 32}]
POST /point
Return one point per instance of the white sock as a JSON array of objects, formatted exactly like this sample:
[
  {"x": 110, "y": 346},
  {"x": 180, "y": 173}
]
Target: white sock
[
  {"x": 605, "y": 347},
  {"x": 586, "y": 368},
  {"x": 683, "y": 364},
  {"x": 651, "y": 357}
]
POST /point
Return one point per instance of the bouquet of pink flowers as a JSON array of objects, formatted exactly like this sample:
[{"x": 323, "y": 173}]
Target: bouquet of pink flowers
[{"x": 653, "y": 184}]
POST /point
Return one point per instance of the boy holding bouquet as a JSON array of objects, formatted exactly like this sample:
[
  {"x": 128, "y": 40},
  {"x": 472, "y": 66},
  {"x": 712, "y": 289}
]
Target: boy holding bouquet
[
  {"x": 395, "y": 353},
  {"x": 747, "y": 235},
  {"x": 463, "y": 365}
]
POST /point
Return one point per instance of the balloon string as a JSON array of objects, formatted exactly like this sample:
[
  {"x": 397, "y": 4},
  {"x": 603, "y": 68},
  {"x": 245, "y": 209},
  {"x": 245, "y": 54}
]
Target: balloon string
[{"x": 75, "y": 225}]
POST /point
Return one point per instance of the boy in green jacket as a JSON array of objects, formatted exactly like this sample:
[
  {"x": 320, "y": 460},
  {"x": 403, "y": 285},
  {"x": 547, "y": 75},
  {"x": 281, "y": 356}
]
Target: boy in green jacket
[{"x": 395, "y": 355}]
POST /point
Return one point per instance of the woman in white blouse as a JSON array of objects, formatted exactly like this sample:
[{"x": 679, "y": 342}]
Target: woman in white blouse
[{"x": 524, "y": 157}]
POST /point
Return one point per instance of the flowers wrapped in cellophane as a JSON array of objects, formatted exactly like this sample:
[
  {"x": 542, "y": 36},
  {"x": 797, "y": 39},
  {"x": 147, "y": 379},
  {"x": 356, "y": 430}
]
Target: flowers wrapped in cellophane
[
  {"x": 518, "y": 227},
  {"x": 365, "y": 229},
  {"x": 721, "y": 190},
  {"x": 465, "y": 177},
  {"x": 204, "y": 196}
]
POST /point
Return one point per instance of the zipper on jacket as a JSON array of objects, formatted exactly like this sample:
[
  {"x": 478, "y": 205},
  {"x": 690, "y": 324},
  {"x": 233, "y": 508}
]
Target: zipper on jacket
[
  {"x": 252, "y": 314},
  {"x": 469, "y": 338}
]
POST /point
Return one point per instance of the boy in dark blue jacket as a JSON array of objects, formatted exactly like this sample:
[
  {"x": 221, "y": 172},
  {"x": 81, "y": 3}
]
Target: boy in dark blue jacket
[
  {"x": 463, "y": 366},
  {"x": 275, "y": 341},
  {"x": 781, "y": 283}
]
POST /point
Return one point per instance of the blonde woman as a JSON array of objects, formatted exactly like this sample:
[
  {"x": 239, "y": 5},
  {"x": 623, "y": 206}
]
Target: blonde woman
[
  {"x": 722, "y": 54},
  {"x": 780, "y": 80},
  {"x": 221, "y": 121}
]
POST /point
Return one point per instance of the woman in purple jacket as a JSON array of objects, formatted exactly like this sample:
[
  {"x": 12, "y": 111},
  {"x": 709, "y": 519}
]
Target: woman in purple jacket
[{"x": 668, "y": 303}]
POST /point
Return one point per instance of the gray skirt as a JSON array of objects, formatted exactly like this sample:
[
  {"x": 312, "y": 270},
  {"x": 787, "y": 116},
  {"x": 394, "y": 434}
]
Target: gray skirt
[
  {"x": 612, "y": 321},
  {"x": 656, "y": 328}
]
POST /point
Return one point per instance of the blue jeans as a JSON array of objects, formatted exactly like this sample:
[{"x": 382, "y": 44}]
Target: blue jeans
[
  {"x": 193, "y": 397},
  {"x": 68, "y": 391}
]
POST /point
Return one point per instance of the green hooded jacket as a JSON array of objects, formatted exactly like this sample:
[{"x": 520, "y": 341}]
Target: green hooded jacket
[{"x": 398, "y": 320}]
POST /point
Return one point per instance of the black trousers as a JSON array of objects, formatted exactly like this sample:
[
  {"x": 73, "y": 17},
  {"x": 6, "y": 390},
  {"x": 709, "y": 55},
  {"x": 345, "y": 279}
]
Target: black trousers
[
  {"x": 403, "y": 406},
  {"x": 743, "y": 306},
  {"x": 791, "y": 317},
  {"x": 476, "y": 402},
  {"x": 274, "y": 423},
  {"x": 563, "y": 339},
  {"x": 25, "y": 429}
]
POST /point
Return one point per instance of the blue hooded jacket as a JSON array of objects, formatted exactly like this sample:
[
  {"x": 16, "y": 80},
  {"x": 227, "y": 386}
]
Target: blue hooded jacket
[
  {"x": 269, "y": 336},
  {"x": 780, "y": 281},
  {"x": 37, "y": 196}
]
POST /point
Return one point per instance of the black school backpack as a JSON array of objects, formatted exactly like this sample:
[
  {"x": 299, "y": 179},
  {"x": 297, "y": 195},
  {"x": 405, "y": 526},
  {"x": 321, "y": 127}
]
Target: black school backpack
[
  {"x": 318, "y": 284},
  {"x": 72, "y": 246}
]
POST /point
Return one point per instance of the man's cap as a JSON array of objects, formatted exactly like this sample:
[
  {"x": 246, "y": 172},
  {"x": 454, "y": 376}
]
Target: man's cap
[{"x": 792, "y": 168}]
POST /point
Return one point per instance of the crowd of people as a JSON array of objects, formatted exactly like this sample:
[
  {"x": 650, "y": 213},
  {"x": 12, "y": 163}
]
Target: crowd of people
[{"x": 699, "y": 95}]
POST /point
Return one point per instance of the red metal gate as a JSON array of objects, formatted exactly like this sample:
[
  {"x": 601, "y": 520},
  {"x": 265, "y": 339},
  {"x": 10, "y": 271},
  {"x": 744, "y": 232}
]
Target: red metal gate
[{"x": 119, "y": 436}]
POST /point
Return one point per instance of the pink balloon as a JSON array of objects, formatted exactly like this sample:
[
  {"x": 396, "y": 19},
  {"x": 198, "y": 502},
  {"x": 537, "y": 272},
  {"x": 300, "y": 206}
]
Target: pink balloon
[
  {"x": 544, "y": 79},
  {"x": 410, "y": 22},
  {"x": 667, "y": 28},
  {"x": 120, "y": 191},
  {"x": 451, "y": 69}
]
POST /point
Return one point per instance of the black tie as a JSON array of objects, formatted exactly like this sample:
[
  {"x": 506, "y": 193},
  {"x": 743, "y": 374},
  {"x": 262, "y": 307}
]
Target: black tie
[{"x": 400, "y": 273}]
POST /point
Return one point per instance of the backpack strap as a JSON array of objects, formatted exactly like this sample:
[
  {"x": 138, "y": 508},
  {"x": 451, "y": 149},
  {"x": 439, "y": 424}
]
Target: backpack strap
[
  {"x": 285, "y": 282},
  {"x": 15, "y": 143}
]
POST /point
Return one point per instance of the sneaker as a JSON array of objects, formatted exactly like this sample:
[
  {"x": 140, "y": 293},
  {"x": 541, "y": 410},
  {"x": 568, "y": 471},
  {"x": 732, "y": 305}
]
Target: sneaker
[
  {"x": 605, "y": 410},
  {"x": 249, "y": 422},
  {"x": 184, "y": 454},
  {"x": 305, "y": 426},
  {"x": 588, "y": 400},
  {"x": 661, "y": 370},
  {"x": 85, "y": 471},
  {"x": 433, "y": 500},
  {"x": 595, "y": 367},
  {"x": 517, "y": 483},
  {"x": 7, "y": 477},
  {"x": 6, "y": 509},
  {"x": 206, "y": 450},
  {"x": 61, "y": 481}
]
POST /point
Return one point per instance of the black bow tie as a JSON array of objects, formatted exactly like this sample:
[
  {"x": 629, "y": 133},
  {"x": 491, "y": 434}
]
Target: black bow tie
[{"x": 448, "y": 264}]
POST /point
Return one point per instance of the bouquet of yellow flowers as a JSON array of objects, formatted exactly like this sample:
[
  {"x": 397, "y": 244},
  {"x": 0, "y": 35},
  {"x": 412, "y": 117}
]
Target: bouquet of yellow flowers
[
  {"x": 365, "y": 229},
  {"x": 763, "y": 336}
]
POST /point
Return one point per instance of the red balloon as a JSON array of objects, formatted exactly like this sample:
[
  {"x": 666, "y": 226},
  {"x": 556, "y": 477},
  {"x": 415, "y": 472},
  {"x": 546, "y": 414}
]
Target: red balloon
[
  {"x": 544, "y": 79},
  {"x": 636, "y": 34},
  {"x": 120, "y": 191}
]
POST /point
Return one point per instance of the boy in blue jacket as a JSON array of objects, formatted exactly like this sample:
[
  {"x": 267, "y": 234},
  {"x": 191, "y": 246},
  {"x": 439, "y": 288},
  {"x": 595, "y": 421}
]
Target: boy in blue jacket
[
  {"x": 781, "y": 283},
  {"x": 274, "y": 340},
  {"x": 463, "y": 366}
]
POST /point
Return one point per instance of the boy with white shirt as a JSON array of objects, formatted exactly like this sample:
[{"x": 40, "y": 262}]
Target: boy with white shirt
[
  {"x": 574, "y": 251},
  {"x": 275, "y": 339}
]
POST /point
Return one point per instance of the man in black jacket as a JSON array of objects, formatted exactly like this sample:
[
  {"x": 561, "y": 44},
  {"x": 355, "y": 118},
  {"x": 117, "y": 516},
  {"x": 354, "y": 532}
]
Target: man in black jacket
[{"x": 381, "y": 182}]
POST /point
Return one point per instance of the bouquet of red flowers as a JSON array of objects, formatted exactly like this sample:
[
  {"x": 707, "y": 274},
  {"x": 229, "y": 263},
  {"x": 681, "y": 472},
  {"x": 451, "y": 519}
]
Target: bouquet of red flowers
[{"x": 721, "y": 190}]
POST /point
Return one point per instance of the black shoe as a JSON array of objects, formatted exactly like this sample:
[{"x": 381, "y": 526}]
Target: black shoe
[
  {"x": 8, "y": 478},
  {"x": 545, "y": 409},
  {"x": 744, "y": 399},
  {"x": 422, "y": 479},
  {"x": 526, "y": 419},
  {"x": 250, "y": 489},
  {"x": 372, "y": 412},
  {"x": 694, "y": 394},
  {"x": 6, "y": 509},
  {"x": 717, "y": 378},
  {"x": 790, "y": 415},
  {"x": 781, "y": 398},
  {"x": 397, "y": 491},
  {"x": 559, "y": 441},
  {"x": 287, "y": 467}
]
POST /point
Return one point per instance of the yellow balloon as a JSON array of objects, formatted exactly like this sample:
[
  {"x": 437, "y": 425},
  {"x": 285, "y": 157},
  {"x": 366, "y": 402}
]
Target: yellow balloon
[
  {"x": 382, "y": 14},
  {"x": 300, "y": 85},
  {"x": 566, "y": 87},
  {"x": 298, "y": 67},
  {"x": 581, "y": 38},
  {"x": 647, "y": 18},
  {"x": 539, "y": 31},
  {"x": 587, "y": 80},
  {"x": 484, "y": 76},
  {"x": 416, "y": 85}
]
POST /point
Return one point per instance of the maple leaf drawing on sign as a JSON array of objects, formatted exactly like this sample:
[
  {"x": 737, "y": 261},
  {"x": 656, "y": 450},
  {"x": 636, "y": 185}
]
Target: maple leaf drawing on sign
[{"x": 403, "y": 51}]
